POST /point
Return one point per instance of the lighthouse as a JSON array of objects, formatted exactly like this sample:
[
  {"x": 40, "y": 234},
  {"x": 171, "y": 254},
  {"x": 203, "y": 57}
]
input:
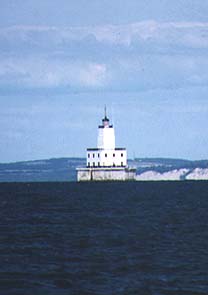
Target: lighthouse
[{"x": 106, "y": 161}]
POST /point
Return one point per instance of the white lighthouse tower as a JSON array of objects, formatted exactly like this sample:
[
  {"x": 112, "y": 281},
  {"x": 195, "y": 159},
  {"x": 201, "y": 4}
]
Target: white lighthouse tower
[
  {"x": 106, "y": 135},
  {"x": 106, "y": 162}
]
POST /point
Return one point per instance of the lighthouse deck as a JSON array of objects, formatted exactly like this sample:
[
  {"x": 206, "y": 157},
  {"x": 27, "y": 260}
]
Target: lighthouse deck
[{"x": 100, "y": 149}]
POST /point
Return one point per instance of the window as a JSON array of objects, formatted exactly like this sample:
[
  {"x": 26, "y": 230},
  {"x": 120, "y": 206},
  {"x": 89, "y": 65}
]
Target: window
[
  {"x": 98, "y": 155},
  {"x": 113, "y": 155},
  {"x": 121, "y": 154},
  {"x": 106, "y": 155},
  {"x": 88, "y": 155},
  {"x": 88, "y": 164},
  {"x": 98, "y": 164},
  {"x": 121, "y": 163},
  {"x": 93, "y": 155},
  {"x": 93, "y": 164},
  {"x": 114, "y": 165}
]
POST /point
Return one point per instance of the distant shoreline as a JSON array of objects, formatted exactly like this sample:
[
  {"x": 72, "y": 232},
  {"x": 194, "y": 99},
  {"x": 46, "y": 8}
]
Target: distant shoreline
[{"x": 64, "y": 169}]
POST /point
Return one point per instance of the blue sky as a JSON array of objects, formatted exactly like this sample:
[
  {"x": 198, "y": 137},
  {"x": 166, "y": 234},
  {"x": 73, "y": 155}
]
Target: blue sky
[{"x": 62, "y": 61}]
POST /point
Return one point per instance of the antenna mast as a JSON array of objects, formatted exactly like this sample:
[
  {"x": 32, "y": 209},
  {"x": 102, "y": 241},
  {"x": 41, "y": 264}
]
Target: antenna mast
[{"x": 105, "y": 112}]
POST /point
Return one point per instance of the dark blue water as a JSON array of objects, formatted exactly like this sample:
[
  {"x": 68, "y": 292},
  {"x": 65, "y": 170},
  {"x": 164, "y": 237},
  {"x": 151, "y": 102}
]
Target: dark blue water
[{"x": 104, "y": 238}]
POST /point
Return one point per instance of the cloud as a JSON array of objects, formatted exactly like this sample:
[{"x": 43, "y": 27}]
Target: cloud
[
  {"x": 46, "y": 72},
  {"x": 139, "y": 55},
  {"x": 187, "y": 33}
]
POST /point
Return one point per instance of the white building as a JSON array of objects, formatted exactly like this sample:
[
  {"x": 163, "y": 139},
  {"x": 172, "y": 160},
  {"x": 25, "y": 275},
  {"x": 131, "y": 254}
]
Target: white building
[{"x": 106, "y": 162}]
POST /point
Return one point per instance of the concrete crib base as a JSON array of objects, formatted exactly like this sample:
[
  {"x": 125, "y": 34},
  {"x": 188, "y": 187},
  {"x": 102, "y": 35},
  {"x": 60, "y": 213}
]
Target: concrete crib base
[{"x": 106, "y": 174}]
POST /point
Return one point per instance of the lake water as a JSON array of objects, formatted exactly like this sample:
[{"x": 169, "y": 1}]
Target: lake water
[{"x": 104, "y": 238}]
